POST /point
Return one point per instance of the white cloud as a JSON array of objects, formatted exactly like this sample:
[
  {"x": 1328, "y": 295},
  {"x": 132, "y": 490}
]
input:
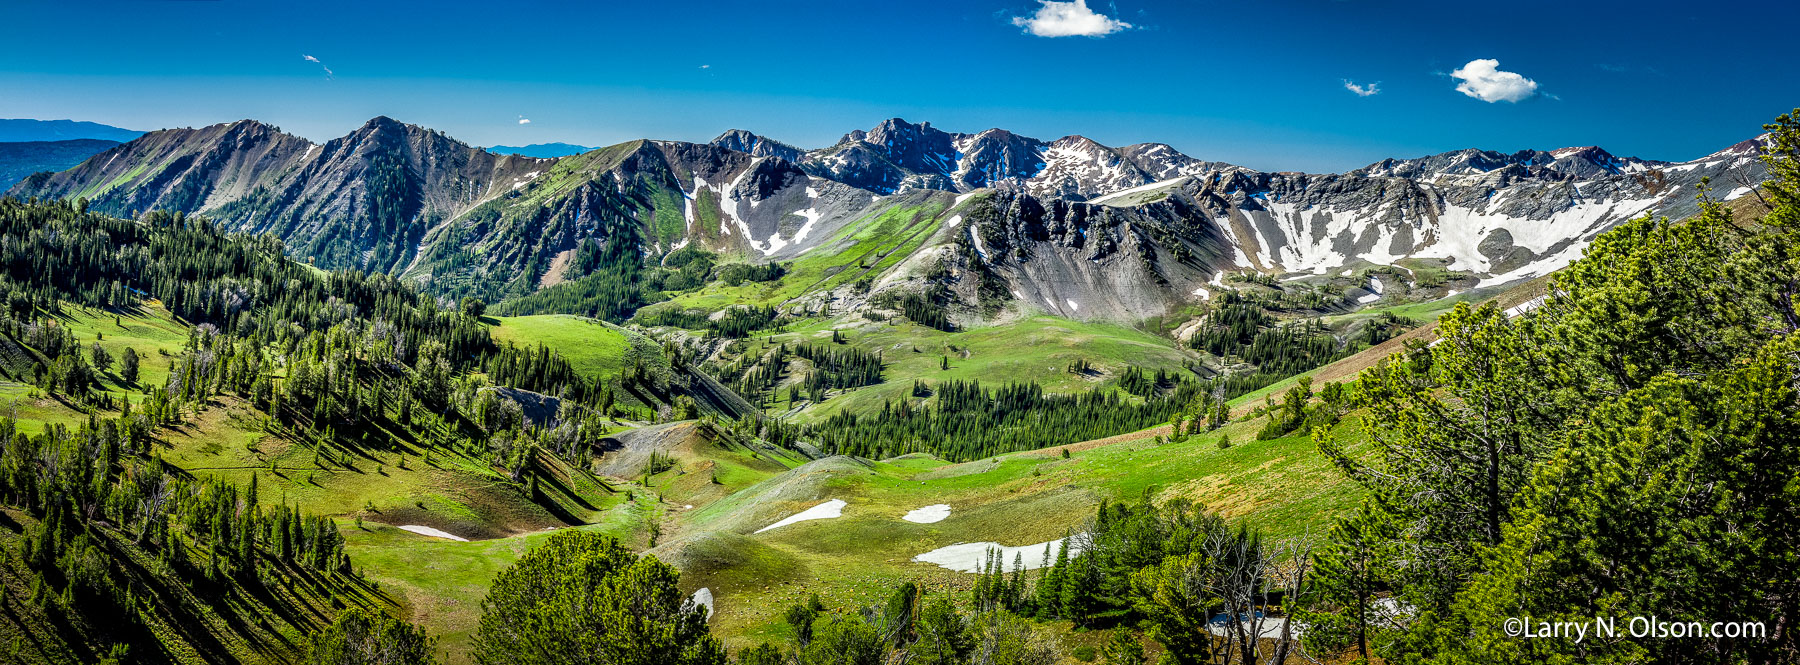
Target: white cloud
[
  {"x": 318, "y": 62},
  {"x": 1069, "y": 19},
  {"x": 524, "y": 120},
  {"x": 706, "y": 66},
  {"x": 1483, "y": 80},
  {"x": 1369, "y": 90}
]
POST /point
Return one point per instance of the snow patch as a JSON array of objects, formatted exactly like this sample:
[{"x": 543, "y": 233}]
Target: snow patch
[
  {"x": 1220, "y": 625},
  {"x": 1521, "y": 308},
  {"x": 704, "y": 598},
  {"x": 929, "y": 514},
  {"x": 968, "y": 557},
  {"x": 953, "y": 221},
  {"x": 824, "y": 511},
  {"x": 812, "y": 217},
  {"x": 434, "y": 533},
  {"x": 525, "y": 179},
  {"x": 975, "y": 238}
]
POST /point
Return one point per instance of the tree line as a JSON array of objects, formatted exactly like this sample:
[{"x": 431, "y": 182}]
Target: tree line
[{"x": 965, "y": 421}]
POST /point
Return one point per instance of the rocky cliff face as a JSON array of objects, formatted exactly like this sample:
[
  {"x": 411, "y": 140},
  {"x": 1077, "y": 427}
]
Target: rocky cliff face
[
  {"x": 360, "y": 201},
  {"x": 1068, "y": 226}
]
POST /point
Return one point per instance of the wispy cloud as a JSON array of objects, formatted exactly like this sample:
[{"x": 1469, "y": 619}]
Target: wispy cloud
[
  {"x": 1069, "y": 19},
  {"x": 1483, "y": 80},
  {"x": 1369, "y": 90},
  {"x": 318, "y": 62},
  {"x": 706, "y": 66},
  {"x": 524, "y": 120}
]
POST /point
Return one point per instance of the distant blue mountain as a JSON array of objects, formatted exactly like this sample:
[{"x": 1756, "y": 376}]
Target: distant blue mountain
[
  {"x": 541, "y": 150},
  {"x": 19, "y": 159},
  {"x": 25, "y": 129}
]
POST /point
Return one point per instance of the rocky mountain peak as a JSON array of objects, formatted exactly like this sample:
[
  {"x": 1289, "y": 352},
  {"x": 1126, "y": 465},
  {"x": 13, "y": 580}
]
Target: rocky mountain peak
[
  {"x": 919, "y": 148},
  {"x": 755, "y": 145},
  {"x": 382, "y": 123},
  {"x": 1746, "y": 148}
]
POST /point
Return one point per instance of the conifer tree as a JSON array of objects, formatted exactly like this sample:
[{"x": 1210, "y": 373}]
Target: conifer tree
[
  {"x": 362, "y": 637},
  {"x": 1050, "y": 586},
  {"x": 1080, "y": 588},
  {"x": 586, "y": 598},
  {"x": 99, "y": 357},
  {"x": 1348, "y": 572},
  {"x": 1123, "y": 648},
  {"x": 943, "y": 635}
]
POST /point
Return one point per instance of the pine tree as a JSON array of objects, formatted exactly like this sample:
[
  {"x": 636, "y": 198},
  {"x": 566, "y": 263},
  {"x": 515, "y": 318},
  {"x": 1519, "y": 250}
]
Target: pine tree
[
  {"x": 363, "y": 636},
  {"x": 944, "y": 637},
  {"x": 1123, "y": 648},
  {"x": 1347, "y": 573},
  {"x": 99, "y": 357},
  {"x": 1080, "y": 588},
  {"x": 1050, "y": 585}
]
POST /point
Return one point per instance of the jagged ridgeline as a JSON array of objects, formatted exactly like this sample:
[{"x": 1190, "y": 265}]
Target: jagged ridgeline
[{"x": 1068, "y": 227}]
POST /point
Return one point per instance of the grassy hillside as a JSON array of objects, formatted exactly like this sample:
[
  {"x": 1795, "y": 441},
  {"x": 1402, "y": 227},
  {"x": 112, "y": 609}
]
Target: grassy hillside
[
  {"x": 860, "y": 249},
  {"x": 228, "y": 620},
  {"x": 595, "y": 348},
  {"x": 1038, "y": 349},
  {"x": 1283, "y": 486}
]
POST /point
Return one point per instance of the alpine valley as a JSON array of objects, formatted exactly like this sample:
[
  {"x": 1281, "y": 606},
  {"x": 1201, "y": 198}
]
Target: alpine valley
[{"x": 915, "y": 397}]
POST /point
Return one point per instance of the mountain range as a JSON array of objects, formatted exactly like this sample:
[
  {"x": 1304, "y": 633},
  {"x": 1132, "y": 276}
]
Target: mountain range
[
  {"x": 541, "y": 150},
  {"x": 27, "y": 129},
  {"x": 19, "y": 159},
  {"x": 1002, "y": 222}
]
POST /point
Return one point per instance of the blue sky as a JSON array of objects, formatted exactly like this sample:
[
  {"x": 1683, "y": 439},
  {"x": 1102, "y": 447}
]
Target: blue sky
[{"x": 1254, "y": 82}]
